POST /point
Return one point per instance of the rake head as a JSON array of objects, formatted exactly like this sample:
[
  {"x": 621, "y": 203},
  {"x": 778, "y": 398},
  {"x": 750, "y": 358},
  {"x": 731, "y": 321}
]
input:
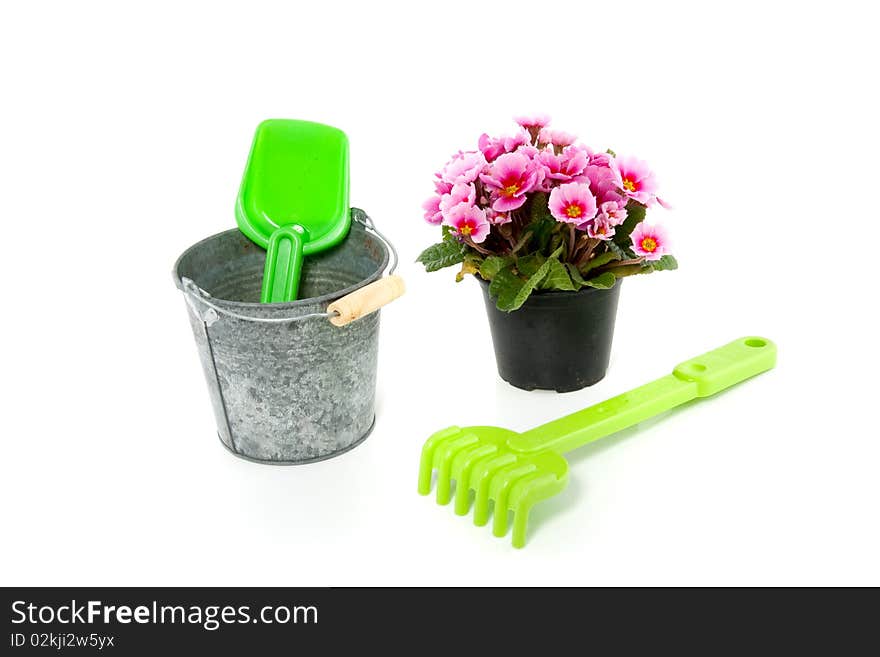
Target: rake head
[{"x": 479, "y": 460}]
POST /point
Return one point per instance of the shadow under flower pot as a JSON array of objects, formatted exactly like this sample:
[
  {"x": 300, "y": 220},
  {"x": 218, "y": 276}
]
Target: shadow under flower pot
[{"x": 557, "y": 340}]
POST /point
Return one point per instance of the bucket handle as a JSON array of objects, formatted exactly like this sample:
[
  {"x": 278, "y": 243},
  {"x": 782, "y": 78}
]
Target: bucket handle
[{"x": 349, "y": 308}]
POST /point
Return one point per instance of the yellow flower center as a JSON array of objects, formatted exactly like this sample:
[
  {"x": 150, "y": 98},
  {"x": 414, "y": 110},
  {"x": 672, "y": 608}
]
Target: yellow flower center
[
  {"x": 629, "y": 185},
  {"x": 466, "y": 230},
  {"x": 649, "y": 244},
  {"x": 573, "y": 211},
  {"x": 510, "y": 190}
]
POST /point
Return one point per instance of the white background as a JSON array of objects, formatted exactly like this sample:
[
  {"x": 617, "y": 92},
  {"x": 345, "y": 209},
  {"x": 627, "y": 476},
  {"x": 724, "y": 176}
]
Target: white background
[{"x": 124, "y": 134}]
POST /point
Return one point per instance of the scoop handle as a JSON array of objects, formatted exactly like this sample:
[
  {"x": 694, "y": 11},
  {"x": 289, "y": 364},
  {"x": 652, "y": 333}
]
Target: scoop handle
[
  {"x": 698, "y": 377},
  {"x": 284, "y": 256},
  {"x": 366, "y": 300}
]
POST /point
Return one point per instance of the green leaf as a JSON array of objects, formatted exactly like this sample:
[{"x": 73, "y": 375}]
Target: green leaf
[
  {"x": 599, "y": 260},
  {"x": 666, "y": 263},
  {"x": 530, "y": 285},
  {"x": 557, "y": 239},
  {"x": 603, "y": 281},
  {"x": 576, "y": 277},
  {"x": 538, "y": 207},
  {"x": 526, "y": 236},
  {"x": 622, "y": 254},
  {"x": 467, "y": 267},
  {"x": 504, "y": 288},
  {"x": 610, "y": 152},
  {"x": 629, "y": 270},
  {"x": 510, "y": 291},
  {"x": 541, "y": 223},
  {"x": 492, "y": 265},
  {"x": 635, "y": 214},
  {"x": 444, "y": 254},
  {"x": 557, "y": 277},
  {"x": 528, "y": 265}
]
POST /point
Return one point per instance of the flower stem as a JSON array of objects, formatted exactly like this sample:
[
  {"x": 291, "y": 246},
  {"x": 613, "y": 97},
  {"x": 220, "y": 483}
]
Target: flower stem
[
  {"x": 522, "y": 242},
  {"x": 623, "y": 263},
  {"x": 588, "y": 251},
  {"x": 476, "y": 246}
]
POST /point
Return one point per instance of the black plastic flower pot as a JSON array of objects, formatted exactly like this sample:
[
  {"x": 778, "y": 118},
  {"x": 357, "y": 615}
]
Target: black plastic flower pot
[{"x": 557, "y": 340}]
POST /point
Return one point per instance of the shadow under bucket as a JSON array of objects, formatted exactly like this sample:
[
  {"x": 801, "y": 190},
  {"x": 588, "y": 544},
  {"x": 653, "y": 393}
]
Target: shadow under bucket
[{"x": 284, "y": 392}]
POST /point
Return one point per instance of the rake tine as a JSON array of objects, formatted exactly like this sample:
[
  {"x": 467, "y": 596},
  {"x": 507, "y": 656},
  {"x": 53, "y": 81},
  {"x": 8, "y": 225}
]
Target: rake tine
[
  {"x": 500, "y": 486},
  {"x": 525, "y": 492},
  {"x": 426, "y": 464},
  {"x": 461, "y": 469},
  {"x": 483, "y": 476},
  {"x": 445, "y": 454}
]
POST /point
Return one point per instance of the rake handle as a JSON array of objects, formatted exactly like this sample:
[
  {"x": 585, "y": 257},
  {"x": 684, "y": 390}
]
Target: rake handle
[{"x": 702, "y": 376}]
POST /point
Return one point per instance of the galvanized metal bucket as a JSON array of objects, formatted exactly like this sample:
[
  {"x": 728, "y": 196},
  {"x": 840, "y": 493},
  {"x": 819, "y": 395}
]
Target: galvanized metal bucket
[{"x": 287, "y": 386}]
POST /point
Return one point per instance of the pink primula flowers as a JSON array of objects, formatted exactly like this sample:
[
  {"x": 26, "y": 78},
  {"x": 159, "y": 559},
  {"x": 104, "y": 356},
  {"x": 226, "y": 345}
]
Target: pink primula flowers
[
  {"x": 491, "y": 148},
  {"x": 533, "y": 124},
  {"x": 541, "y": 192},
  {"x": 563, "y": 167},
  {"x": 460, "y": 193},
  {"x": 635, "y": 179},
  {"x": 432, "y": 210},
  {"x": 649, "y": 242},
  {"x": 532, "y": 121},
  {"x": 613, "y": 212},
  {"x": 468, "y": 221},
  {"x": 510, "y": 178},
  {"x": 600, "y": 228},
  {"x": 463, "y": 167},
  {"x": 556, "y": 137},
  {"x": 572, "y": 203}
]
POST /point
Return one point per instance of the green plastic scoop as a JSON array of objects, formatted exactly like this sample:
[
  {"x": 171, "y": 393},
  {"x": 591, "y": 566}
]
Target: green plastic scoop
[
  {"x": 518, "y": 470},
  {"x": 293, "y": 199}
]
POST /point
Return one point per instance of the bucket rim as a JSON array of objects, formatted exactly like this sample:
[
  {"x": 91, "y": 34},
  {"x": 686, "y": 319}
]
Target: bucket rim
[{"x": 288, "y": 305}]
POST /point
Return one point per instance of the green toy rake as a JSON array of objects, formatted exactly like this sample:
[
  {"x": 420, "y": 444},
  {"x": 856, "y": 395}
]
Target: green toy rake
[{"x": 518, "y": 470}]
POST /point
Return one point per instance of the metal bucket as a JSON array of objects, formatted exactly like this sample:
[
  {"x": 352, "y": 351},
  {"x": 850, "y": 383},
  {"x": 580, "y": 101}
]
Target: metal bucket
[{"x": 286, "y": 385}]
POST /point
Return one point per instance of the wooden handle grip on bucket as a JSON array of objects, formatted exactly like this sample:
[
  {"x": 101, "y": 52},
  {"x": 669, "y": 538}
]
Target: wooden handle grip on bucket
[{"x": 366, "y": 300}]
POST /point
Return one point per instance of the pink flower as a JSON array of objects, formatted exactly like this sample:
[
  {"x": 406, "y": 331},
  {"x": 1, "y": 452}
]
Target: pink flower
[
  {"x": 572, "y": 203},
  {"x": 460, "y": 193},
  {"x": 556, "y": 137},
  {"x": 463, "y": 167},
  {"x": 649, "y": 242},
  {"x": 604, "y": 184},
  {"x": 533, "y": 121},
  {"x": 599, "y": 228},
  {"x": 613, "y": 212},
  {"x": 432, "y": 210},
  {"x": 497, "y": 218},
  {"x": 563, "y": 167},
  {"x": 635, "y": 179},
  {"x": 601, "y": 159},
  {"x": 530, "y": 152},
  {"x": 509, "y": 179},
  {"x": 441, "y": 187},
  {"x": 468, "y": 221},
  {"x": 491, "y": 148}
]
